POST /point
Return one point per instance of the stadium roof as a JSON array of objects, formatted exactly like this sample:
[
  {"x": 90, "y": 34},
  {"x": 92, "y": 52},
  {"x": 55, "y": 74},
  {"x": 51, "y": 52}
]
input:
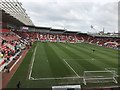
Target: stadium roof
[
  {"x": 58, "y": 30},
  {"x": 15, "y": 9},
  {"x": 79, "y": 33},
  {"x": 71, "y": 32},
  {"x": 38, "y": 27},
  {"x": 10, "y": 19}
]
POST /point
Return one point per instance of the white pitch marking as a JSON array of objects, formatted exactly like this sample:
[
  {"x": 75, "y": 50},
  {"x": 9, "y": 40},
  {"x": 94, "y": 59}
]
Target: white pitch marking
[
  {"x": 71, "y": 68},
  {"x": 31, "y": 78},
  {"x": 55, "y": 78},
  {"x": 33, "y": 59},
  {"x": 93, "y": 59}
]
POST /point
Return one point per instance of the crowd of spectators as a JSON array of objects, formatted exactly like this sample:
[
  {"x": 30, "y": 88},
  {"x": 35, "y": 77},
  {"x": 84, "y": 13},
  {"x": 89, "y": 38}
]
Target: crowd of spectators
[
  {"x": 10, "y": 45},
  {"x": 111, "y": 42}
]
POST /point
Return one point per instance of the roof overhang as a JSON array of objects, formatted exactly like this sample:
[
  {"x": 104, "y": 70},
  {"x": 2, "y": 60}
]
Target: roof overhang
[{"x": 7, "y": 18}]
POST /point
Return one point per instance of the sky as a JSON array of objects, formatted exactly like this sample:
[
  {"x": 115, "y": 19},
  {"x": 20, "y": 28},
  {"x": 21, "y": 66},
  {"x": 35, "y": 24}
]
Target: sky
[{"x": 74, "y": 15}]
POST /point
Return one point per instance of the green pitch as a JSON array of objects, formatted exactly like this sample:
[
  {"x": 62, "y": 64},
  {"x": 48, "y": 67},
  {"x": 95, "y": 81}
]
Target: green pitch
[{"x": 49, "y": 64}]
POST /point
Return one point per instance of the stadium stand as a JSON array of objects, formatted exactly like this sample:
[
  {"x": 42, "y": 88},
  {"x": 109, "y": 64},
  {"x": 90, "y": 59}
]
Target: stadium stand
[
  {"x": 111, "y": 42},
  {"x": 10, "y": 46}
]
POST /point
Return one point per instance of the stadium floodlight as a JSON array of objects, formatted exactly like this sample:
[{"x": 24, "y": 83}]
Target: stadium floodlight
[
  {"x": 99, "y": 77},
  {"x": 94, "y": 29}
]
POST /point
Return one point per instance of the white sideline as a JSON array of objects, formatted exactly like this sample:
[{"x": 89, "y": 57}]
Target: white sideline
[
  {"x": 71, "y": 68},
  {"x": 33, "y": 59},
  {"x": 15, "y": 63}
]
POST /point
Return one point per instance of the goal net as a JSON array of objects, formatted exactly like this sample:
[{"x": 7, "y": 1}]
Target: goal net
[{"x": 99, "y": 77}]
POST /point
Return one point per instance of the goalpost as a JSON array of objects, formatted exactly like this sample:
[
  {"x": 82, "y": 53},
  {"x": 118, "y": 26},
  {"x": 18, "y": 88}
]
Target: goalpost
[{"x": 99, "y": 77}]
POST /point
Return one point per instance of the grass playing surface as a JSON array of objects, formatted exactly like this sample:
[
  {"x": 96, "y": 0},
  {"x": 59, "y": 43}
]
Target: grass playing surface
[{"x": 49, "y": 64}]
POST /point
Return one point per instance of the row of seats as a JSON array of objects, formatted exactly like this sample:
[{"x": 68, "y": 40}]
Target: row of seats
[
  {"x": 9, "y": 46},
  {"x": 72, "y": 38}
]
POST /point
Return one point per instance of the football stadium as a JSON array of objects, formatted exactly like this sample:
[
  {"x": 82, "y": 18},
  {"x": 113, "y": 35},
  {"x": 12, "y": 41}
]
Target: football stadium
[{"x": 42, "y": 57}]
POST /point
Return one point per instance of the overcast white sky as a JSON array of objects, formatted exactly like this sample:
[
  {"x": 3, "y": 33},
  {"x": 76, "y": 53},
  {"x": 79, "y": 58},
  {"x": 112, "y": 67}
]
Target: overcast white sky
[{"x": 74, "y": 15}]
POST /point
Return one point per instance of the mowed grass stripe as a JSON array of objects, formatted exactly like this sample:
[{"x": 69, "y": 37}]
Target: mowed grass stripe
[
  {"x": 88, "y": 56},
  {"x": 101, "y": 58},
  {"x": 63, "y": 56},
  {"x": 59, "y": 69},
  {"x": 75, "y": 65},
  {"x": 74, "y": 55},
  {"x": 110, "y": 52},
  {"x": 99, "y": 49},
  {"x": 41, "y": 68}
]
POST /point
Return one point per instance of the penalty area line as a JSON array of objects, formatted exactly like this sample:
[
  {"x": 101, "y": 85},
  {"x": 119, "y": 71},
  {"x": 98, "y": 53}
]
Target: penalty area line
[
  {"x": 71, "y": 68},
  {"x": 59, "y": 78}
]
